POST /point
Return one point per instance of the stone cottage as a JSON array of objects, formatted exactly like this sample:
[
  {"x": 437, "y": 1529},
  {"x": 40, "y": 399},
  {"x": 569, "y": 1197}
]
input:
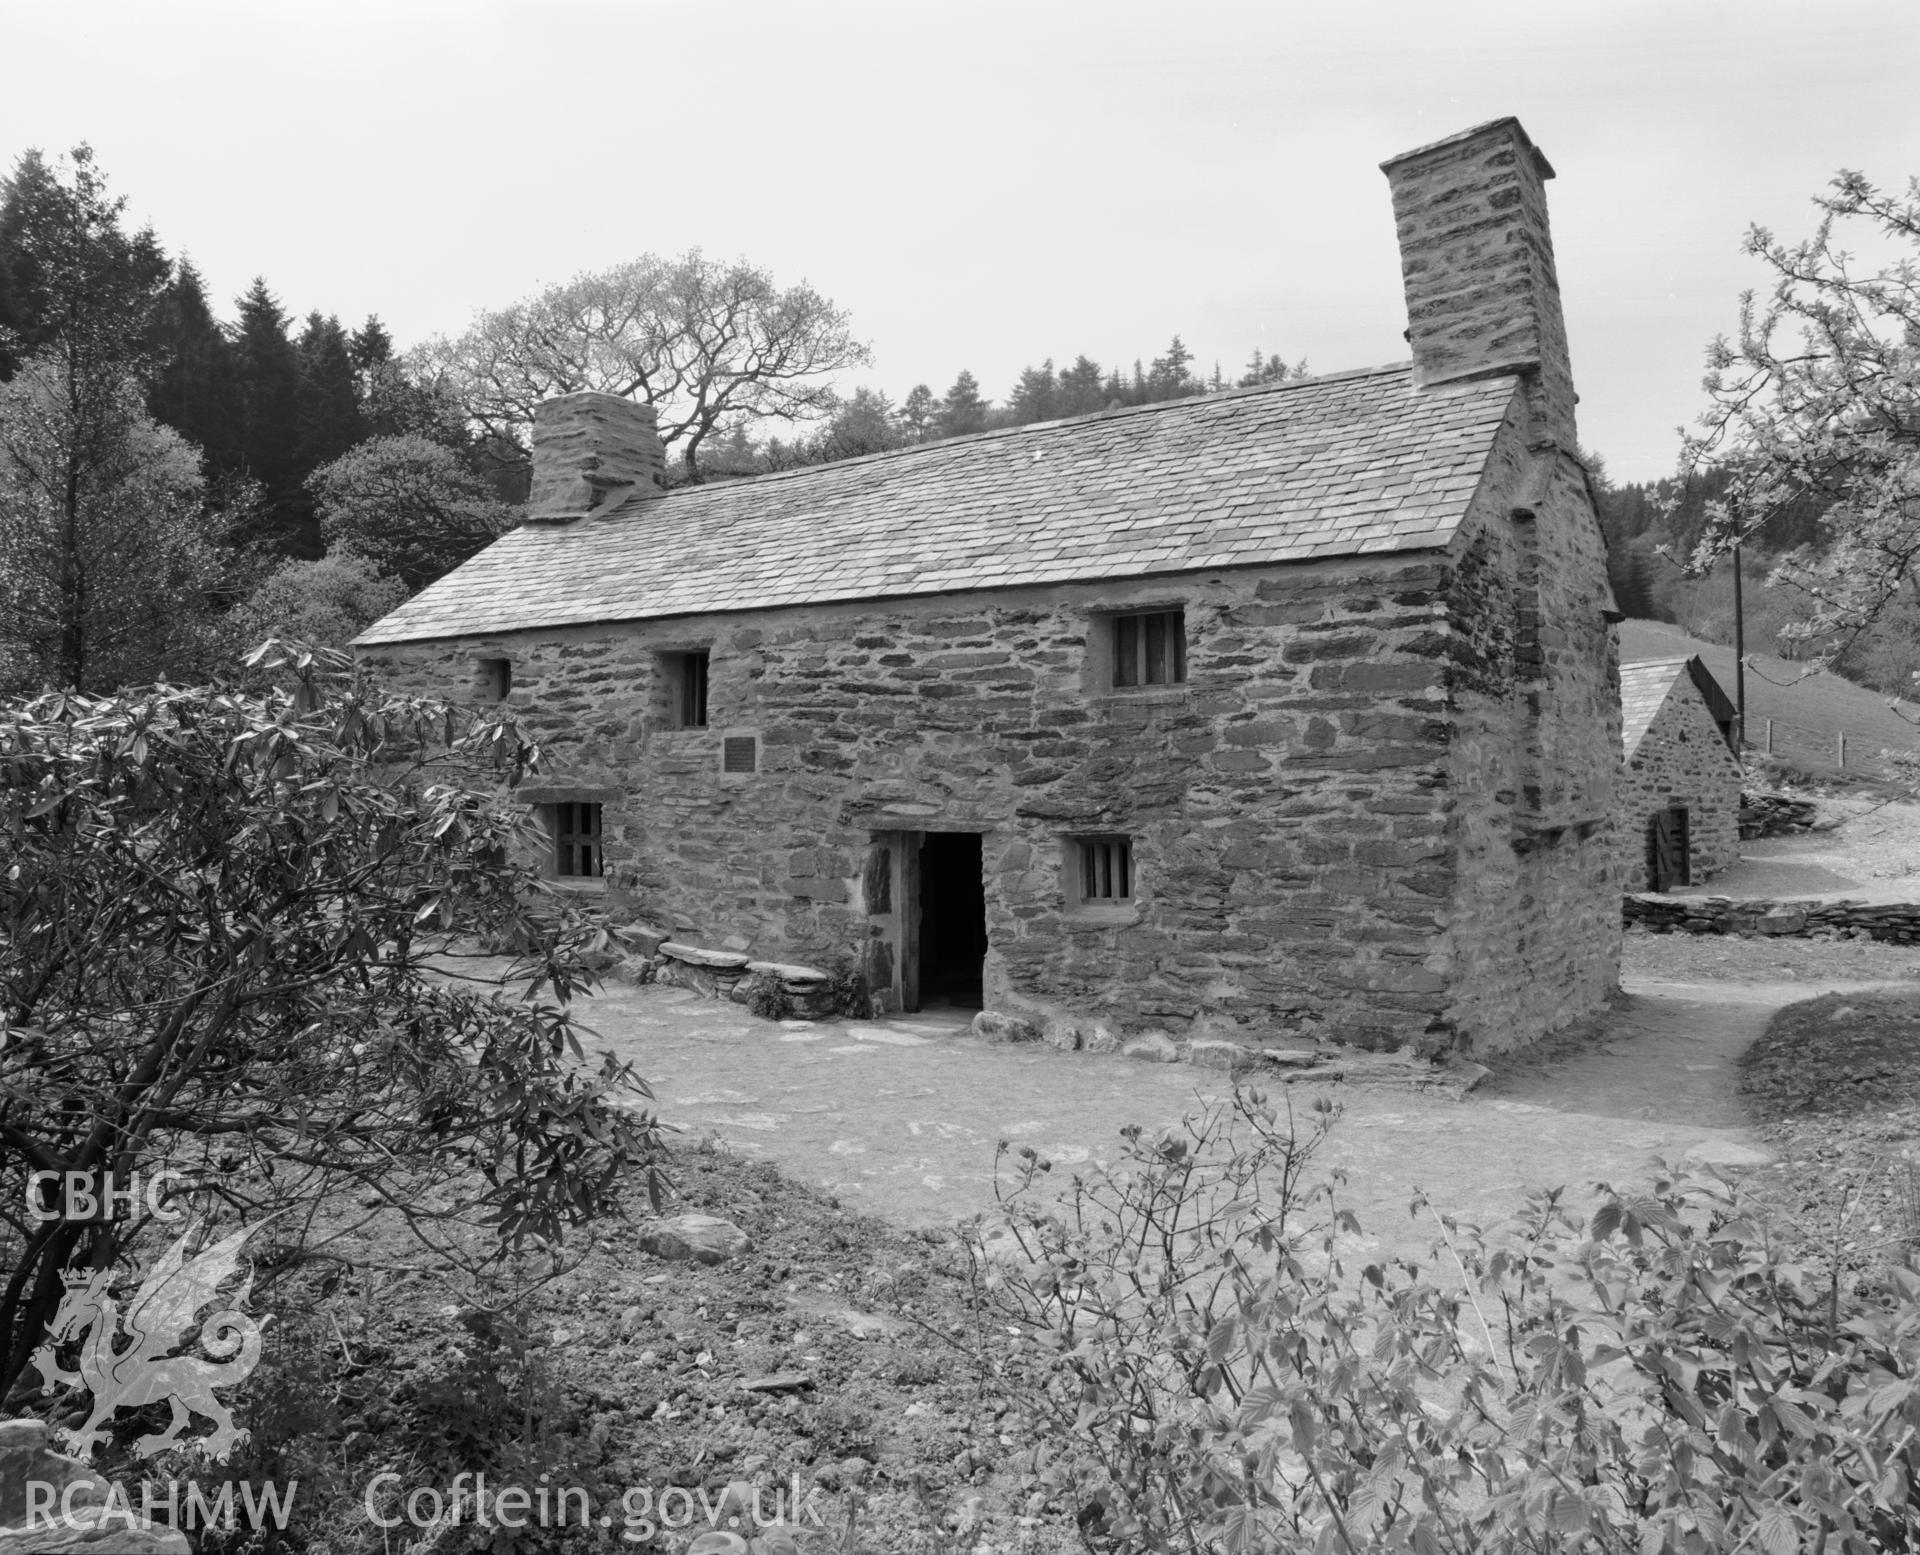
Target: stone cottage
[
  {"x": 1677, "y": 815},
  {"x": 1272, "y": 714}
]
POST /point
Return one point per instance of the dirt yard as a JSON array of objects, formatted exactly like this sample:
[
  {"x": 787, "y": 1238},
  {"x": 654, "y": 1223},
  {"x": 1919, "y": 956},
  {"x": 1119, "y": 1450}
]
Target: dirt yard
[
  {"x": 843, "y": 1348},
  {"x": 1874, "y": 855}
]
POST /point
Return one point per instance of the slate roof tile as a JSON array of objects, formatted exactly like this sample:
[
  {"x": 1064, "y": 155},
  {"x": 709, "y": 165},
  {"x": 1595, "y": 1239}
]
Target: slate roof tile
[
  {"x": 1644, "y": 688},
  {"x": 1355, "y": 463}
]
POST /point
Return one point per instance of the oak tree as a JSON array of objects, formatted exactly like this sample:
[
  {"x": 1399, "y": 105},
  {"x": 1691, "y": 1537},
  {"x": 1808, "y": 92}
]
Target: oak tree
[{"x": 708, "y": 344}]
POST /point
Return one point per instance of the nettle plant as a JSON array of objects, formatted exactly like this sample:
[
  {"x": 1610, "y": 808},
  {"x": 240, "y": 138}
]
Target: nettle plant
[
  {"x": 1665, "y": 1379},
  {"x": 227, "y": 919}
]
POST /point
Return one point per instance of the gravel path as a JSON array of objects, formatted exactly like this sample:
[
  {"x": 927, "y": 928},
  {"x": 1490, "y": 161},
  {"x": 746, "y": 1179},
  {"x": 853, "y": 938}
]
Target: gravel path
[
  {"x": 1874, "y": 856},
  {"x": 901, "y": 1117}
]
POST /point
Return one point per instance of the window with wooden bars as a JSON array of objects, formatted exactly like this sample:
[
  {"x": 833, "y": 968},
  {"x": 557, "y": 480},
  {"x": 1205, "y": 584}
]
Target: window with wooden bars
[
  {"x": 1150, "y": 648},
  {"x": 1103, "y": 868},
  {"x": 687, "y": 688},
  {"x": 576, "y": 840}
]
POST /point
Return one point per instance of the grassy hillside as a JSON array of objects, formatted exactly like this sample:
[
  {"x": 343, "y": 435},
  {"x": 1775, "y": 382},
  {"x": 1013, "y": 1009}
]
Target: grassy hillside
[{"x": 1807, "y": 711}]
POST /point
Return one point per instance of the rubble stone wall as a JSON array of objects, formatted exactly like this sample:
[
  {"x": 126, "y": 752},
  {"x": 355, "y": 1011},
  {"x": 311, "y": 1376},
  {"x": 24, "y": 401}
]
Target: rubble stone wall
[
  {"x": 1681, "y": 761},
  {"x": 1303, "y": 811},
  {"x": 1534, "y": 923}
]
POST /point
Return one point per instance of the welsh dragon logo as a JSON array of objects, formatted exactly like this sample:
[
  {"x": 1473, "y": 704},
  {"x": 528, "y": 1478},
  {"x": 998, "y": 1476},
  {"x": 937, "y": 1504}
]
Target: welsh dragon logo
[{"x": 156, "y": 1323}]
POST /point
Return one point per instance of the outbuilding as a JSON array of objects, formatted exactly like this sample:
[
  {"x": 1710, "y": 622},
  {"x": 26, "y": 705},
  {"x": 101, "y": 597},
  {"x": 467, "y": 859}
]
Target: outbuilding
[{"x": 1678, "y": 811}]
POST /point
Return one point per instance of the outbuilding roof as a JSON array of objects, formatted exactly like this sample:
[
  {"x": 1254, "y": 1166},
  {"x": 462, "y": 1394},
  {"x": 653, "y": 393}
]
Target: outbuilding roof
[
  {"x": 1646, "y": 685},
  {"x": 1350, "y": 464}
]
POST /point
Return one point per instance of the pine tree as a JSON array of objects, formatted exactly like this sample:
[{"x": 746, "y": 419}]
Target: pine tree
[
  {"x": 1263, "y": 369},
  {"x": 918, "y": 412},
  {"x": 1171, "y": 377},
  {"x": 267, "y": 440},
  {"x": 371, "y": 345},
  {"x": 71, "y": 277},
  {"x": 1036, "y": 396},
  {"x": 864, "y": 424},
  {"x": 329, "y": 399},
  {"x": 193, "y": 390},
  {"x": 1082, "y": 392},
  {"x": 962, "y": 409}
]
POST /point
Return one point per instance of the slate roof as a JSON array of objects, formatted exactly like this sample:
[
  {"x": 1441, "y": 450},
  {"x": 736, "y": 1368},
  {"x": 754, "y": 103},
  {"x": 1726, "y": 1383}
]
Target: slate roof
[
  {"x": 1354, "y": 463},
  {"x": 1646, "y": 685}
]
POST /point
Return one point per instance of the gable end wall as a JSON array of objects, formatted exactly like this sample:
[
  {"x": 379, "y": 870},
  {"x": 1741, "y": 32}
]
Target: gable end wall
[
  {"x": 1534, "y": 925},
  {"x": 1681, "y": 760}
]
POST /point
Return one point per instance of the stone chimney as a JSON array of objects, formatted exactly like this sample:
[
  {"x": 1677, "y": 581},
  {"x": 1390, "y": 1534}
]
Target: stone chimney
[
  {"x": 590, "y": 450},
  {"x": 1477, "y": 261}
]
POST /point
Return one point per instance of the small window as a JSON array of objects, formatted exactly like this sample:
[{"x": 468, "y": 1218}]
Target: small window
[
  {"x": 1150, "y": 649},
  {"x": 496, "y": 679},
  {"x": 686, "y": 675},
  {"x": 576, "y": 840},
  {"x": 1104, "y": 871}
]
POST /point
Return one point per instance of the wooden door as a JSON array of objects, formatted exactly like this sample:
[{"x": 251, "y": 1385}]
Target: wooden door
[
  {"x": 1667, "y": 849},
  {"x": 892, "y": 889},
  {"x": 906, "y": 896}
]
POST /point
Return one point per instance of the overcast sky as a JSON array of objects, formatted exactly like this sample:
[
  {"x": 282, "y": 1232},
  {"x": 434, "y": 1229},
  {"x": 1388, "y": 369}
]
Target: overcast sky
[{"x": 981, "y": 185}]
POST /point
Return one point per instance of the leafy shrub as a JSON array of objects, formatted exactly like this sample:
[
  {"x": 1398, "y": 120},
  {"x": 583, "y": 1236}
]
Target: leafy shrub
[
  {"x": 224, "y": 913},
  {"x": 848, "y": 991},
  {"x": 766, "y": 997},
  {"x": 1664, "y": 1380}
]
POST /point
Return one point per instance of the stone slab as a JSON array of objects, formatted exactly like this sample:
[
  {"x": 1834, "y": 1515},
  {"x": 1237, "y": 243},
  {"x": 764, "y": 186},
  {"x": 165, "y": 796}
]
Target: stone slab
[
  {"x": 702, "y": 1238},
  {"x": 788, "y": 972},
  {"x": 696, "y": 955}
]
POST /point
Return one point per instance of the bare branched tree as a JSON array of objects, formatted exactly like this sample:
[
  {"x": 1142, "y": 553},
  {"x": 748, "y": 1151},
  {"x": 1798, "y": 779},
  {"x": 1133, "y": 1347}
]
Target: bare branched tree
[{"x": 707, "y": 344}]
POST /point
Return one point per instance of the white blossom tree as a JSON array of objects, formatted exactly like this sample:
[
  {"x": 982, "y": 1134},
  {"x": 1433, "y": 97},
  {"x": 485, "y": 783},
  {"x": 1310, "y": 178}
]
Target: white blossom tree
[{"x": 1818, "y": 397}]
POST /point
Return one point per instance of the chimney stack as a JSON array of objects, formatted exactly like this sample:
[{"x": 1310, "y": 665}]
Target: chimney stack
[
  {"x": 1477, "y": 261},
  {"x": 590, "y": 450}
]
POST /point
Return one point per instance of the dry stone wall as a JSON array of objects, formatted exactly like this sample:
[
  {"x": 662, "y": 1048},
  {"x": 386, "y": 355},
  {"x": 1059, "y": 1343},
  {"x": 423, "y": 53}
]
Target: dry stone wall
[
  {"x": 1680, "y": 761},
  {"x": 1897, "y": 923}
]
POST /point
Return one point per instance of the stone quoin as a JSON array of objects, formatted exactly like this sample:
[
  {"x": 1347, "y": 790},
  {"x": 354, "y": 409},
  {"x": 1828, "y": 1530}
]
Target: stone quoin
[{"x": 1266, "y": 716}]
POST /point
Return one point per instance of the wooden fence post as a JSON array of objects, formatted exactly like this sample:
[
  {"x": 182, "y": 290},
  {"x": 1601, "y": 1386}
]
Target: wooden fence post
[
  {"x": 1841, "y": 737},
  {"x": 1769, "y": 736}
]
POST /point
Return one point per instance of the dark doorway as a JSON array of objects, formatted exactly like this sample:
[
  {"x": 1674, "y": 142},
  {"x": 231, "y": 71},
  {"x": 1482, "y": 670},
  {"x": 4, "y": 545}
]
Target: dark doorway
[
  {"x": 953, "y": 920},
  {"x": 1667, "y": 849}
]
